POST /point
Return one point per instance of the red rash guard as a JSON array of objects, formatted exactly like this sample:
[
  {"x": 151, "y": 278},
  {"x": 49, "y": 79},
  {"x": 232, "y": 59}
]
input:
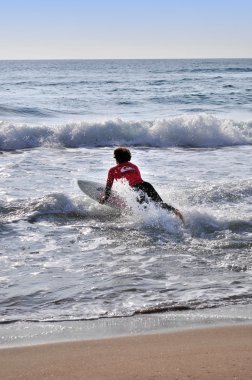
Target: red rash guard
[{"x": 125, "y": 170}]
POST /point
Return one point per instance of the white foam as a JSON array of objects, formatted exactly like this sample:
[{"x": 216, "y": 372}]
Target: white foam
[
  {"x": 185, "y": 131},
  {"x": 146, "y": 215}
]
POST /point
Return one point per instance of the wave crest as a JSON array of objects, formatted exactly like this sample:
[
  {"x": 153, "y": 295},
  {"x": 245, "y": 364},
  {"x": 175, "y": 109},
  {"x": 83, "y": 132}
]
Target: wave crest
[{"x": 199, "y": 131}]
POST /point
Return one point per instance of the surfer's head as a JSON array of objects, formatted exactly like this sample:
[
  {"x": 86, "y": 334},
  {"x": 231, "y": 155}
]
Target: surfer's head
[{"x": 122, "y": 154}]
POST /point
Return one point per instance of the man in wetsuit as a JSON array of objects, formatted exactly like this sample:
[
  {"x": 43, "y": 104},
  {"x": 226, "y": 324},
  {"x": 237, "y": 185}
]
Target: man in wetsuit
[{"x": 125, "y": 169}]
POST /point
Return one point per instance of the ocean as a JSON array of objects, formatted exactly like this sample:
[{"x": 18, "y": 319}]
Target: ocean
[{"x": 70, "y": 264}]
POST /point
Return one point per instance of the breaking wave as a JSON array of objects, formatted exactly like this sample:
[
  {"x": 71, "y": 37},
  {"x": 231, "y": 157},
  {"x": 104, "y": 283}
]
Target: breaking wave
[{"x": 194, "y": 131}]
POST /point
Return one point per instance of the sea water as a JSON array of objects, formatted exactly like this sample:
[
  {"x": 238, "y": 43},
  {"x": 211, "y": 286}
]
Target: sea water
[{"x": 64, "y": 257}]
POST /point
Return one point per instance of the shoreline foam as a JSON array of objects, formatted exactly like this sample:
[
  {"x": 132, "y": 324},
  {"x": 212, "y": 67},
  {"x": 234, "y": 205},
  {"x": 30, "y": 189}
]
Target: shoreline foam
[{"x": 31, "y": 333}]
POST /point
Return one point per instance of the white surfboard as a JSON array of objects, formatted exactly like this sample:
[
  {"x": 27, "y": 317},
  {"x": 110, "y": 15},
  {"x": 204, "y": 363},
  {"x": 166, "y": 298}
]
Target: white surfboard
[{"x": 95, "y": 190}]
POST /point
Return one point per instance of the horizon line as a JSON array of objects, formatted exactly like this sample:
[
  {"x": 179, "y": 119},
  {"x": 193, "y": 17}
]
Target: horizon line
[{"x": 118, "y": 59}]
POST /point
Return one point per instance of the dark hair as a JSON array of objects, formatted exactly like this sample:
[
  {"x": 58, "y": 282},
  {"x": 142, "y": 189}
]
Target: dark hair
[{"x": 122, "y": 155}]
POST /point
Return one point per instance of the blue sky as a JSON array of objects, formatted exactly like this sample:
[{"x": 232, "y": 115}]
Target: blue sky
[{"x": 42, "y": 29}]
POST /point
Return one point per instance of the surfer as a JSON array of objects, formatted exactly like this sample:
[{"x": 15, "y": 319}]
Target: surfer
[{"x": 125, "y": 169}]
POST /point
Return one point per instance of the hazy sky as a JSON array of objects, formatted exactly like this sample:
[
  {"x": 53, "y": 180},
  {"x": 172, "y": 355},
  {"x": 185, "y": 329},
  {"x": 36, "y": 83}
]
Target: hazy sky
[{"x": 41, "y": 29}]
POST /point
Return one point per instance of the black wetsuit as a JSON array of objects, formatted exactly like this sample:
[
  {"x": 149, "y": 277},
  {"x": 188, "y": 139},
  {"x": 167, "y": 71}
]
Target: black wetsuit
[{"x": 145, "y": 188}]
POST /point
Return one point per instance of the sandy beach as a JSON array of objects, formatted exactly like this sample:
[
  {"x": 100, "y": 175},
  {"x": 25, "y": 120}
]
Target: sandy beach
[{"x": 209, "y": 353}]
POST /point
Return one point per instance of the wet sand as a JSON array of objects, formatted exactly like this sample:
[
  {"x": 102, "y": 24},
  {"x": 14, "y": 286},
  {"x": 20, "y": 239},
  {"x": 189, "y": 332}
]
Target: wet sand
[{"x": 209, "y": 353}]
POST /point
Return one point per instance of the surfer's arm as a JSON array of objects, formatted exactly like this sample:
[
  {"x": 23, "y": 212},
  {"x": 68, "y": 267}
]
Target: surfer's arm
[
  {"x": 108, "y": 187},
  {"x": 106, "y": 195}
]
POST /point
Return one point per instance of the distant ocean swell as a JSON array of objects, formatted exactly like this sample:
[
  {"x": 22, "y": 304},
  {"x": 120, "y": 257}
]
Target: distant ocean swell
[
  {"x": 198, "y": 131},
  {"x": 23, "y": 111}
]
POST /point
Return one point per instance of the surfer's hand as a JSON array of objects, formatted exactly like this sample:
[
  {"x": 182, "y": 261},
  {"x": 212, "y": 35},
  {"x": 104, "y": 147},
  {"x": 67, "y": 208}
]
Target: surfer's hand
[{"x": 103, "y": 199}]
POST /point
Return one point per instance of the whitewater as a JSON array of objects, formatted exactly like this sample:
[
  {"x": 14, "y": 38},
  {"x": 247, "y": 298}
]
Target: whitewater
[
  {"x": 69, "y": 264},
  {"x": 200, "y": 131}
]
